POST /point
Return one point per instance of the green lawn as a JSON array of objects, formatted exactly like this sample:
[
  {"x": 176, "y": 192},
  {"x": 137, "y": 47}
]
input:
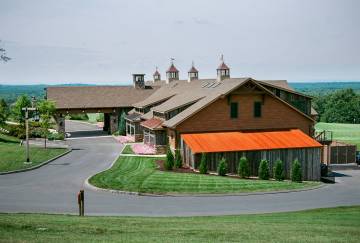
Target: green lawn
[
  {"x": 321, "y": 225},
  {"x": 128, "y": 150},
  {"x": 12, "y": 155},
  {"x": 349, "y": 133},
  {"x": 140, "y": 174},
  {"x": 93, "y": 117}
]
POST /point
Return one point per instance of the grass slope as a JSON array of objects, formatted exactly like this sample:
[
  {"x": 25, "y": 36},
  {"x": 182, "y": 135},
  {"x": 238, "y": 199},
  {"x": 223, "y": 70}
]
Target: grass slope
[
  {"x": 128, "y": 150},
  {"x": 349, "y": 133},
  {"x": 321, "y": 225},
  {"x": 12, "y": 155},
  {"x": 140, "y": 174}
]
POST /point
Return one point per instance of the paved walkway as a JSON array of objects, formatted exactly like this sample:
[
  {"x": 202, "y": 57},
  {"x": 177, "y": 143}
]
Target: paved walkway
[{"x": 53, "y": 189}]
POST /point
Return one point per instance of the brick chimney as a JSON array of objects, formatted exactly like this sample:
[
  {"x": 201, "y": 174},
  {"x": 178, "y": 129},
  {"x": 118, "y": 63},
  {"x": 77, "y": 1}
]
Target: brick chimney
[
  {"x": 138, "y": 81},
  {"x": 223, "y": 71},
  {"x": 172, "y": 73},
  {"x": 193, "y": 73}
]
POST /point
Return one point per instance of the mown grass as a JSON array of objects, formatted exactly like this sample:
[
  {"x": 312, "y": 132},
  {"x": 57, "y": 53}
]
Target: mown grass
[
  {"x": 321, "y": 225},
  {"x": 140, "y": 174},
  {"x": 128, "y": 150},
  {"x": 349, "y": 133},
  {"x": 12, "y": 155}
]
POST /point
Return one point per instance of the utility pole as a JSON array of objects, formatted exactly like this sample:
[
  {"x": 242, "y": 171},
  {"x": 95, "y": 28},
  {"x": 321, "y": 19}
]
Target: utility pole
[{"x": 27, "y": 109}]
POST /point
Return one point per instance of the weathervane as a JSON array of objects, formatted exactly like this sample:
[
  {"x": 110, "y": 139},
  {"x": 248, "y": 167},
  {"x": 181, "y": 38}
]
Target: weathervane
[{"x": 172, "y": 60}]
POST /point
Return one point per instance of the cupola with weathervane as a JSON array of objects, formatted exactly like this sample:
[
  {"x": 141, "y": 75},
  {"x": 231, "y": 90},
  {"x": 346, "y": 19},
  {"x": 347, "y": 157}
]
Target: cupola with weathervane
[
  {"x": 223, "y": 71},
  {"x": 193, "y": 73},
  {"x": 156, "y": 75},
  {"x": 172, "y": 73}
]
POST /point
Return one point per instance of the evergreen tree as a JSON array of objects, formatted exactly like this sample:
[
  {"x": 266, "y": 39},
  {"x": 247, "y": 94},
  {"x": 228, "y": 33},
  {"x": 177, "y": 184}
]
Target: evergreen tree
[
  {"x": 222, "y": 167},
  {"x": 264, "y": 171},
  {"x": 296, "y": 174},
  {"x": 122, "y": 124},
  {"x": 203, "y": 165},
  {"x": 278, "y": 171},
  {"x": 243, "y": 168},
  {"x": 4, "y": 111},
  {"x": 169, "y": 162},
  {"x": 178, "y": 159}
]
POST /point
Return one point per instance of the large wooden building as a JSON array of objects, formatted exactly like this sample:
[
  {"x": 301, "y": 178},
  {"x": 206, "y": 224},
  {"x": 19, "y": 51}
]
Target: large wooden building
[{"x": 169, "y": 110}]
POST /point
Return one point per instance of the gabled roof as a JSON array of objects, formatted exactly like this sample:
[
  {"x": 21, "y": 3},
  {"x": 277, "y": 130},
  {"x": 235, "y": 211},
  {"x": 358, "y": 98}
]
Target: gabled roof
[
  {"x": 153, "y": 123},
  {"x": 248, "y": 141},
  {"x": 231, "y": 84},
  {"x": 82, "y": 97},
  {"x": 133, "y": 117}
]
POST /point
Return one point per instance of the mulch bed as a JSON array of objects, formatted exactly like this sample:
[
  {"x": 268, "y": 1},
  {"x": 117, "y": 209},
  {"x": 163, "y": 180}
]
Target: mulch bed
[{"x": 160, "y": 164}]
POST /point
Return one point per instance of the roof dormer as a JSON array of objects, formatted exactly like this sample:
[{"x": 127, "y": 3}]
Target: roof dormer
[
  {"x": 172, "y": 73},
  {"x": 223, "y": 71}
]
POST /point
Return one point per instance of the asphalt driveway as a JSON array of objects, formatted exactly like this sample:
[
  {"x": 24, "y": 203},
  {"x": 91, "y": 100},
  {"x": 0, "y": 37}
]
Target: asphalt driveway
[{"x": 53, "y": 188}]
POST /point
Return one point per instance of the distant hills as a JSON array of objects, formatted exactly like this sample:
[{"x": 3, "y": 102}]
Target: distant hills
[{"x": 11, "y": 92}]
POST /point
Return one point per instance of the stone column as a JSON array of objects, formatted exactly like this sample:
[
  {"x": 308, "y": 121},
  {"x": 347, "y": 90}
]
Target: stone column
[
  {"x": 114, "y": 124},
  {"x": 106, "y": 122},
  {"x": 60, "y": 123}
]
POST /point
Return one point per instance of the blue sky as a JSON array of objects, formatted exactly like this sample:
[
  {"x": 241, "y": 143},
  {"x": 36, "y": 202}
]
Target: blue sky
[{"x": 104, "y": 42}]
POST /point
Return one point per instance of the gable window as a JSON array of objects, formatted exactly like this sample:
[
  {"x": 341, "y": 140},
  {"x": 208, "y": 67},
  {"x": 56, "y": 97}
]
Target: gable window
[
  {"x": 234, "y": 110},
  {"x": 257, "y": 109}
]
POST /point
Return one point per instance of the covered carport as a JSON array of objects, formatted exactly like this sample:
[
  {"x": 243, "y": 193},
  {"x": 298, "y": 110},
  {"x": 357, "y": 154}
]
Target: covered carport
[{"x": 109, "y": 100}]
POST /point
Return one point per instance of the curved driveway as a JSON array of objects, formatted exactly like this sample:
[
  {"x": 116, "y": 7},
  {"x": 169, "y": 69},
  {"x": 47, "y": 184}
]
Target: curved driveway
[{"x": 53, "y": 188}]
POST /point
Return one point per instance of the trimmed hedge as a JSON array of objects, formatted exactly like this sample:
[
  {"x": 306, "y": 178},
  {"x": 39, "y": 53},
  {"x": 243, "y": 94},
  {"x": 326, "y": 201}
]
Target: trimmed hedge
[
  {"x": 169, "y": 162},
  {"x": 296, "y": 174},
  {"x": 278, "y": 171},
  {"x": 243, "y": 168},
  {"x": 264, "y": 170},
  {"x": 222, "y": 167},
  {"x": 203, "y": 165}
]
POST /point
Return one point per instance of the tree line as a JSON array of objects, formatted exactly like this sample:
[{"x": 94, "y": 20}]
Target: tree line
[
  {"x": 39, "y": 127},
  {"x": 342, "y": 106}
]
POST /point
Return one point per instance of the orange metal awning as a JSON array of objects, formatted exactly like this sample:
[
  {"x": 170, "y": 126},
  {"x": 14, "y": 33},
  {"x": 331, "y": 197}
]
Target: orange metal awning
[{"x": 247, "y": 141}]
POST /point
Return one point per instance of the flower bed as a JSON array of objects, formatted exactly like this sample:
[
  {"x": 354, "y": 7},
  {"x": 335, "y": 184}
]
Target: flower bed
[
  {"x": 141, "y": 148},
  {"x": 124, "y": 139}
]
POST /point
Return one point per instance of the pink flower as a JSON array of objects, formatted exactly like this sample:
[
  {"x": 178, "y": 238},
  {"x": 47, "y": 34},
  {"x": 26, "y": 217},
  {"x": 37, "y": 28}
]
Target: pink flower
[
  {"x": 143, "y": 149},
  {"x": 124, "y": 139}
]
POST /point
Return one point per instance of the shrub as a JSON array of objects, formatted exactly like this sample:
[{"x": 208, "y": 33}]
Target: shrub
[
  {"x": 296, "y": 175},
  {"x": 100, "y": 117},
  {"x": 178, "y": 160},
  {"x": 169, "y": 162},
  {"x": 56, "y": 136},
  {"x": 80, "y": 116},
  {"x": 264, "y": 171},
  {"x": 278, "y": 170},
  {"x": 243, "y": 168},
  {"x": 203, "y": 165},
  {"x": 222, "y": 167}
]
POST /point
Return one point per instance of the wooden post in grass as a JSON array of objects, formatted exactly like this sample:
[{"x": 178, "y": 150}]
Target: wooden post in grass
[{"x": 81, "y": 202}]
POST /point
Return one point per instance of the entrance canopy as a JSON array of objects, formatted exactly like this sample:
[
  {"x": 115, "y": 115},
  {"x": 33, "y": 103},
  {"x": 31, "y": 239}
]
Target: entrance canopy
[{"x": 248, "y": 141}]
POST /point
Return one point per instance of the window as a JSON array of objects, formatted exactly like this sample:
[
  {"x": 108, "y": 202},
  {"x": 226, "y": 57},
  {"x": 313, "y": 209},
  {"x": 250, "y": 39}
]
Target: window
[
  {"x": 234, "y": 110},
  {"x": 257, "y": 109}
]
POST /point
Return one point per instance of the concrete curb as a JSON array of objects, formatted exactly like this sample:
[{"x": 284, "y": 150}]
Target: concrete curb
[
  {"x": 98, "y": 189},
  {"x": 36, "y": 166},
  {"x": 94, "y": 188}
]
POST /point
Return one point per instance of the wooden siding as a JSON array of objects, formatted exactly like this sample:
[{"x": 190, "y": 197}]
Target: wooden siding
[
  {"x": 309, "y": 158},
  {"x": 275, "y": 115}
]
